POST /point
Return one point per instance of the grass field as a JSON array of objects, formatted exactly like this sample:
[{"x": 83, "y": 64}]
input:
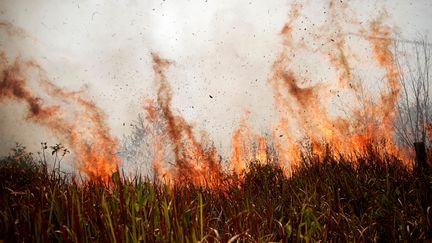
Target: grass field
[{"x": 362, "y": 199}]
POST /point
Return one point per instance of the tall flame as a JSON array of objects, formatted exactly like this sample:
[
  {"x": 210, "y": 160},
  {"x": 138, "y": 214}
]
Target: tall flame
[
  {"x": 305, "y": 107},
  {"x": 304, "y": 115},
  {"x": 86, "y": 132},
  {"x": 194, "y": 163},
  {"x": 305, "y": 120}
]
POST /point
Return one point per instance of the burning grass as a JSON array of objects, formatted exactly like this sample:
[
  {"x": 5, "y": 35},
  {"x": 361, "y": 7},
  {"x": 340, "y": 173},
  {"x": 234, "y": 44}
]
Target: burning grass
[
  {"x": 362, "y": 198},
  {"x": 343, "y": 190}
]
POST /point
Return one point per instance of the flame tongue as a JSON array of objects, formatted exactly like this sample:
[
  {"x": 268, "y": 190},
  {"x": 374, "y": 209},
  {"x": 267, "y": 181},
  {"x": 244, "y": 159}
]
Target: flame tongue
[
  {"x": 194, "y": 163},
  {"x": 85, "y": 132}
]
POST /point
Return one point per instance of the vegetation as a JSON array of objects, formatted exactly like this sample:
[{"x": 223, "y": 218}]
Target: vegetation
[{"x": 363, "y": 198}]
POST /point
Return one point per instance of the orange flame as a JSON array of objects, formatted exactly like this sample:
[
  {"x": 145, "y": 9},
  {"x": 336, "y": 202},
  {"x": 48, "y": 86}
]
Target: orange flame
[
  {"x": 304, "y": 114},
  {"x": 194, "y": 163},
  {"x": 305, "y": 119},
  {"x": 86, "y": 132}
]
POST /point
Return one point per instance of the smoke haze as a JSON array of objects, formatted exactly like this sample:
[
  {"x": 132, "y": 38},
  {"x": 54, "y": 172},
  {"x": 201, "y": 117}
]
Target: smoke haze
[{"x": 223, "y": 53}]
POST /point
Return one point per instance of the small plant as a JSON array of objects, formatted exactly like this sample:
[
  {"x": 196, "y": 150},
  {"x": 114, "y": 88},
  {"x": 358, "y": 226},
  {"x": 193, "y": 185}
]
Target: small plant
[{"x": 59, "y": 152}]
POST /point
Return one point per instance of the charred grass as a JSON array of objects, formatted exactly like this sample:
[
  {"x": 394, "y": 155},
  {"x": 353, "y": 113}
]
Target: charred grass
[{"x": 359, "y": 199}]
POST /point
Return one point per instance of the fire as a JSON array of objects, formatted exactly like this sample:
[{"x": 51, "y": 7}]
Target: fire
[
  {"x": 86, "y": 132},
  {"x": 304, "y": 118},
  {"x": 247, "y": 147},
  {"x": 194, "y": 163},
  {"x": 241, "y": 150},
  {"x": 304, "y": 107},
  {"x": 305, "y": 122}
]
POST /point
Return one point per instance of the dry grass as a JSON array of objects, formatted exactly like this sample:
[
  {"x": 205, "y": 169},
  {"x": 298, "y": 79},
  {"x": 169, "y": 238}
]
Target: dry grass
[{"x": 326, "y": 199}]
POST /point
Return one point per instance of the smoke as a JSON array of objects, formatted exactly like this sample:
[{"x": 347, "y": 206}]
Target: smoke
[{"x": 225, "y": 54}]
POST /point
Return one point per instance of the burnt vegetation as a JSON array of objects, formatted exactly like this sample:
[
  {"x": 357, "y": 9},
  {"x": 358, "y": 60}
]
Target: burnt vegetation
[{"x": 364, "y": 198}]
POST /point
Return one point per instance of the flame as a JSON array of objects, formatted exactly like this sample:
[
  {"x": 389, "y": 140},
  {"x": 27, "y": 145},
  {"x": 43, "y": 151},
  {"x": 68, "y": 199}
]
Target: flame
[
  {"x": 261, "y": 153},
  {"x": 304, "y": 118},
  {"x": 243, "y": 151},
  {"x": 305, "y": 107},
  {"x": 305, "y": 123},
  {"x": 194, "y": 163},
  {"x": 86, "y": 132}
]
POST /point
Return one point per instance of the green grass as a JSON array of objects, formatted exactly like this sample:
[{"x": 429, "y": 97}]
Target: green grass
[{"x": 360, "y": 199}]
